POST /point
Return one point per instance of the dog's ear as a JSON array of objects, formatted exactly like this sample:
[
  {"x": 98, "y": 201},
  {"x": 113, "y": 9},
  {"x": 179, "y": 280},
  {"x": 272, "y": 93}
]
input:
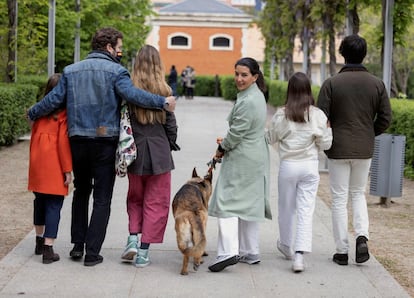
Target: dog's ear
[
  {"x": 194, "y": 173},
  {"x": 209, "y": 176}
]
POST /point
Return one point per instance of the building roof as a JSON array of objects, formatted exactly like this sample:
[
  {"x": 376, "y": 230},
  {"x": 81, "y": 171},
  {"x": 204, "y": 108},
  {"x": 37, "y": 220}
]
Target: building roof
[{"x": 201, "y": 6}]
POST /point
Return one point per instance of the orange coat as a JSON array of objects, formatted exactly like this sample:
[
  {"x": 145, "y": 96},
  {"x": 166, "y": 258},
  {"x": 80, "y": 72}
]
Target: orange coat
[{"x": 50, "y": 155}]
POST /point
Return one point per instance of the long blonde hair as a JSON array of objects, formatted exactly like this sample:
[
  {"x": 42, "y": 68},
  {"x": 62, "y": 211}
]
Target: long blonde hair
[{"x": 149, "y": 75}]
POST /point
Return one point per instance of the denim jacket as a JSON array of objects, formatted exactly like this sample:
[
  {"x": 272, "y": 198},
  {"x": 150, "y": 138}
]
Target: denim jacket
[{"x": 92, "y": 90}]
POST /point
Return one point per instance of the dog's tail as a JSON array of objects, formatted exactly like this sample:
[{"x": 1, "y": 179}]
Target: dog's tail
[{"x": 191, "y": 239}]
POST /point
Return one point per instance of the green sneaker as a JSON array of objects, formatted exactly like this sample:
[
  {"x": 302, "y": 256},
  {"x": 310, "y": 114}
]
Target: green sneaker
[
  {"x": 142, "y": 259},
  {"x": 131, "y": 248}
]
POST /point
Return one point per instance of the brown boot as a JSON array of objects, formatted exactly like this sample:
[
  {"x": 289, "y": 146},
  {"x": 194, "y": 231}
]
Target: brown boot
[
  {"x": 49, "y": 255},
  {"x": 40, "y": 241}
]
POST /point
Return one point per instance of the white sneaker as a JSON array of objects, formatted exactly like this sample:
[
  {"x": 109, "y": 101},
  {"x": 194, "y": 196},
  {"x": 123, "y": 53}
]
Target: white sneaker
[
  {"x": 250, "y": 259},
  {"x": 298, "y": 263},
  {"x": 285, "y": 250}
]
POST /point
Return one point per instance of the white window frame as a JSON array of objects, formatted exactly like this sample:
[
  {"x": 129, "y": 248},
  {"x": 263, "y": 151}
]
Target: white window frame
[
  {"x": 221, "y": 35},
  {"x": 177, "y": 34}
]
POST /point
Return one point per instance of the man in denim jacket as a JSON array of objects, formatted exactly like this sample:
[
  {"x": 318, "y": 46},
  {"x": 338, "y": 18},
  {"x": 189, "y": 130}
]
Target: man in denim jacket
[{"x": 92, "y": 91}]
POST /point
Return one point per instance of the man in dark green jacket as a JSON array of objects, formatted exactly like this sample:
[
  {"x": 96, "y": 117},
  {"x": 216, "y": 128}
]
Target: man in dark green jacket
[{"x": 358, "y": 109}]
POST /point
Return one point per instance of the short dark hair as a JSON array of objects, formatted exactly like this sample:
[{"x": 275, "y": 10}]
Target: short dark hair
[
  {"x": 353, "y": 48},
  {"x": 104, "y": 36}
]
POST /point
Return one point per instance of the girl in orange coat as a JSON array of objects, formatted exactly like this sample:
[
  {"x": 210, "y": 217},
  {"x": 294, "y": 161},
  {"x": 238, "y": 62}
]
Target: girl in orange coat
[{"x": 50, "y": 170}]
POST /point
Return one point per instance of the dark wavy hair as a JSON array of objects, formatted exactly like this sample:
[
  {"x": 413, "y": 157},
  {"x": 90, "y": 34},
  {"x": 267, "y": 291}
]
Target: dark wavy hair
[
  {"x": 299, "y": 98},
  {"x": 254, "y": 68},
  {"x": 104, "y": 36}
]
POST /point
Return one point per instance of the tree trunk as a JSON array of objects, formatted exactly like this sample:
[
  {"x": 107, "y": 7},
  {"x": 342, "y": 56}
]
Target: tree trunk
[
  {"x": 11, "y": 41},
  {"x": 355, "y": 19},
  {"x": 332, "y": 52}
]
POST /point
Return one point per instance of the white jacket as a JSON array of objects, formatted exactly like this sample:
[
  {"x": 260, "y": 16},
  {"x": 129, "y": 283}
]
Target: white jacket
[{"x": 300, "y": 141}]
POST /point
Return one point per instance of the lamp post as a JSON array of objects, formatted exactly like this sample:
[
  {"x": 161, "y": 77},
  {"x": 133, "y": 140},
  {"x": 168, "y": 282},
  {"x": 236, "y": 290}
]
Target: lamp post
[
  {"x": 388, "y": 43},
  {"x": 51, "y": 39},
  {"x": 15, "y": 43},
  {"x": 76, "y": 56}
]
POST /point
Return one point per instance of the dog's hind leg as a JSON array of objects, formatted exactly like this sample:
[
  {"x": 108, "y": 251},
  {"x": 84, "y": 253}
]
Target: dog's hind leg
[
  {"x": 184, "y": 270},
  {"x": 197, "y": 262}
]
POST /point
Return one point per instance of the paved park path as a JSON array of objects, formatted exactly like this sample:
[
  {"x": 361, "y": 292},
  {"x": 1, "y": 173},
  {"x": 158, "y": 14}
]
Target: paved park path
[{"x": 200, "y": 121}]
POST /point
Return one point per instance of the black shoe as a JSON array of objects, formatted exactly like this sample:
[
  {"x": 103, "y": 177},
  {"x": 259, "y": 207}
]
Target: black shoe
[
  {"x": 49, "y": 256},
  {"x": 91, "y": 260},
  {"x": 361, "y": 251},
  {"x": 222, "y": 262},
  {"x": 77, "y": 251},
  {"x": 340, "y": 259},
  {"x": 40, "y": 241}
]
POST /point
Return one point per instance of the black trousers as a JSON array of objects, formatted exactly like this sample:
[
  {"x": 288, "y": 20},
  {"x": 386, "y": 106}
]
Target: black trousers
[{"x": 94, "y": 172}]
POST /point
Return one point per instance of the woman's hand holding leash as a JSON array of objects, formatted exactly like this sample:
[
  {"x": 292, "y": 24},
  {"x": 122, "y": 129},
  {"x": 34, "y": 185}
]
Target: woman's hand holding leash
[{"x": 217, "y": 158}]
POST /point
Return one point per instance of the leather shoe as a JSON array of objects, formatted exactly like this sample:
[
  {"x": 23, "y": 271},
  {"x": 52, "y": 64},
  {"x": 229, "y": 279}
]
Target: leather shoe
[
  {"x": 77, "y": 251},
  {"x": 91, "y": 260},
  {"x": 340, "y": 259},
  {"x": 361, "y": 251}
]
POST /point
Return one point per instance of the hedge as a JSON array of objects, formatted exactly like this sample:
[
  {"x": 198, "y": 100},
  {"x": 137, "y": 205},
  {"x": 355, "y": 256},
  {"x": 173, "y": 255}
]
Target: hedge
[{"x": 15, "y": 99}]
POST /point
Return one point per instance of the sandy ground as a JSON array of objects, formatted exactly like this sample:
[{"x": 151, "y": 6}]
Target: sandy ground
[{"x": 391, "y": 235}]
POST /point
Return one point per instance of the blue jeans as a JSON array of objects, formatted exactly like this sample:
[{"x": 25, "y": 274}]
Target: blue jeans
[
  {"x": 94, "y": 170},
  {"x": 46, "y": 212}
]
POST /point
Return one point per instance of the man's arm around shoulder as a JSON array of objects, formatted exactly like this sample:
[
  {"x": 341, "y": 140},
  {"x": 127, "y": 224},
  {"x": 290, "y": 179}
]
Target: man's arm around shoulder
[
  {"x": 126, "y": 89},
  {"x": 50, "y": 102}
]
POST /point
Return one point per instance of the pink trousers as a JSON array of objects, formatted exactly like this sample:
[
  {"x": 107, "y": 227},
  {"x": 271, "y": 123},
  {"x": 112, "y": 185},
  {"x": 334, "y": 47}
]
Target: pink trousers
[{"x": 148, "y": 205}]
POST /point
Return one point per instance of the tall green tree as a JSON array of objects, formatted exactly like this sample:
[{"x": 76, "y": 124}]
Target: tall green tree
[
  {"x": 307, "y": 32},
  {"x": 11, "y": 40},
  {"x": 128, "y": 16},
  {"x": 373, "y": 14},
  {"x": 331, "y": 17},
  {"x": 279, "y": 27},
  {"x": 402, "y": 56},
  {"x": 30, "y": 34}
]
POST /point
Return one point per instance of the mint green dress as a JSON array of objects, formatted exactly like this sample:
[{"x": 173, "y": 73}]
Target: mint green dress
[{"x": 242, "y": 188}]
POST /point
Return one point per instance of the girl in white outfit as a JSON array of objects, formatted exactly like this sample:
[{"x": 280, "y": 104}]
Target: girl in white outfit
[{"x": 301, "y": 131}]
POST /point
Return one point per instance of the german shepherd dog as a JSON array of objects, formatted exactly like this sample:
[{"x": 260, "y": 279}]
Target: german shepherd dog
[{"x": 190, "y": 210}]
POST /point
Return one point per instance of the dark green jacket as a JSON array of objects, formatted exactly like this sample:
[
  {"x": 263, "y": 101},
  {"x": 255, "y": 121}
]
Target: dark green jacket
[{"x": 358, "y": 108}]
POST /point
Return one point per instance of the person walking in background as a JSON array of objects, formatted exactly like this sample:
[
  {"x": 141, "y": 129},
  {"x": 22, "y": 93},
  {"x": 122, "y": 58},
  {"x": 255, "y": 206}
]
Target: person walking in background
[
  {"x": 50, "y": 167},
  {"x": 301, "y": 131},
  {"x": 240, "y": 197},
  {"x": 172, "y": 80},
  {"x": 149, "y": 176},
  {"x": 92, "y": 90},
  {"x": 184, "y": 81},
  {"x": 190, "y": 82},
  {"x": 358, "y": 108}
]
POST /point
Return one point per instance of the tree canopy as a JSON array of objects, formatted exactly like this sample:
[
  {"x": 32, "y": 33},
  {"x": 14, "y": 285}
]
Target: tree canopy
[
  {"x": 326, "y": 21},
  {"x": 128, "y": 16}
]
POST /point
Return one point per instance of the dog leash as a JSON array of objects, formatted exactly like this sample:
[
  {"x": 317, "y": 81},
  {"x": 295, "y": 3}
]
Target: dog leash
[{"x": 212, "y": 163}]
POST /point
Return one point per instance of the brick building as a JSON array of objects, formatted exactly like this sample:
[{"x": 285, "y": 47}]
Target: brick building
[{"x": 208, "y": 35}]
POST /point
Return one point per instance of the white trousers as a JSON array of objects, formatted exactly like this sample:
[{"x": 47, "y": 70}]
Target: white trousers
[
  {"x": 237, "y": 237},
  {"x": 348, "y": 179},
  {"x": 298, "y": 184}
]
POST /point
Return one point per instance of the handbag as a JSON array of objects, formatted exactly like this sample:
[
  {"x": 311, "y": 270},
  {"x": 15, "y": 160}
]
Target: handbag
[{"x": 126, "y": 151}]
